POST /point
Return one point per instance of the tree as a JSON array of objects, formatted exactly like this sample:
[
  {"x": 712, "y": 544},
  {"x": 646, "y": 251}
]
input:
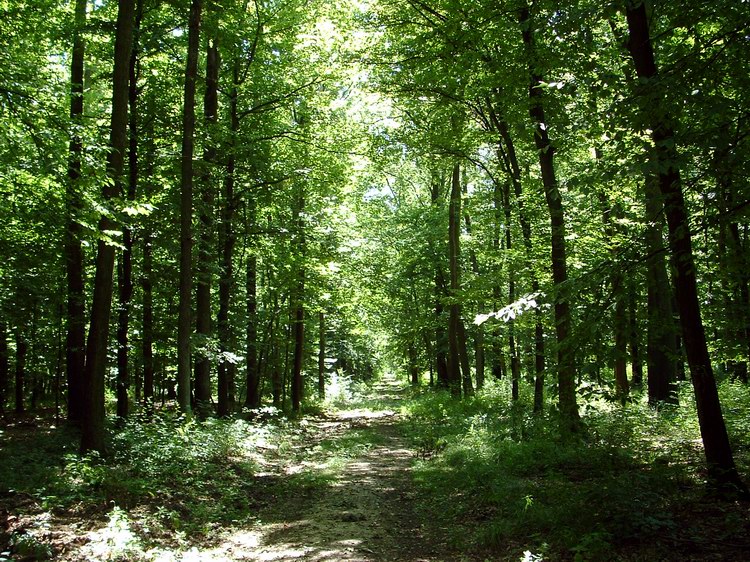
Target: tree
[
  {"x": 186, "y": 209},
  {"x": 92, "y": 436},
  {"x": 715, "y": 440}
]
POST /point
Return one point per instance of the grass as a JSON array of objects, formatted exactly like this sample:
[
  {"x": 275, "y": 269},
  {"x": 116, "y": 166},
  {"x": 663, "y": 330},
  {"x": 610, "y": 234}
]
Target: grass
[{"x": 631, "y": 488}]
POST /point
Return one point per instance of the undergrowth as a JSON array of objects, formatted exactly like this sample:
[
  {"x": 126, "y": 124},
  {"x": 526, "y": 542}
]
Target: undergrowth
[{"x": 628, "y": 483}]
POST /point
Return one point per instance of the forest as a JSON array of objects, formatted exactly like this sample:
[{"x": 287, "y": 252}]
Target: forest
[{"x": 374, "y": 280}]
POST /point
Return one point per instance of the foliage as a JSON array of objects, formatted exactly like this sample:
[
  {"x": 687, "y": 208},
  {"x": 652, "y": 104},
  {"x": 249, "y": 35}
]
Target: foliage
[{"x": 509, "y": 481}]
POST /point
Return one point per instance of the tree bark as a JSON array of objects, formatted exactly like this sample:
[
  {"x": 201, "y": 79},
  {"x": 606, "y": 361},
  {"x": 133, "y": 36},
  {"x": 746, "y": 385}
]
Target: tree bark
[
  {"x": 22, "y": 347},
  {"x": 204, "y": 264},
  {"x": 298, "y": 322},
  {"x": 125, "y": 271},
  {"x": 321, "y": 355},
  {"x": 75, "y": 346},
  {"x": 454, "y": 320},
  {"x": 226, "y": 369},
  {"x": 566, "y": 373},
  {"x": 507, "y": 155},
  {"x": 715, "y": 440},
  {"x": 92, "y": 437},
  {"x": 4, "y": 366},
  {"x": 184, "y": 321}
]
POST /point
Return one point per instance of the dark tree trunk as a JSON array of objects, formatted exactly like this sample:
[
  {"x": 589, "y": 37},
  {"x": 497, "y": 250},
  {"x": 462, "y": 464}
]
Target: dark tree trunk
[
  {"x": 454, "y": 321},
  {"x": 566, "y": 373},
  {"x": 125, "y": 271},
  {"x": 634, "y": 337},
  {"x": 75, "y": 354},
  {"x": 479, "y": 362},
  {"x": 298, "y": 322},
  {"x": 715, "y": 440},
  {"x": 22, "y": 347},
  {"x": 507, "y": 155},
  {"x": 321, "y": 355},
  {"x": 204, "y": 265},
  {"x": 92, "y": 437},
  {"x": 661, "y": 349},
  {"x": 184, "y": 322},
  {"x": 227, "y": 370},
  {"x": 4, "y": 366}
]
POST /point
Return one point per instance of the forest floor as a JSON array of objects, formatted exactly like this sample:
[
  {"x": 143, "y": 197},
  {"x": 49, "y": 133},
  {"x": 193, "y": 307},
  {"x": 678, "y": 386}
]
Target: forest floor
[
  {"x": 388, "y": 475},
  {"x": 338, "y": 489}
]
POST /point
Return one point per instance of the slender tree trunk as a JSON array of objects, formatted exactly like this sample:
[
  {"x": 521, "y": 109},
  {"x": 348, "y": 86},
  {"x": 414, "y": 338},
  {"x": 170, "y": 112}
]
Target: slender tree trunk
[
  {"x": 147, "y": 274},
  {"x": 92, "y": 437},
  {"x": 515, "y": 363},
  {"x": 252, "y": 374},
  {"x": 479, "y": 362},
  {"x": 441, "y": 340},
  {"x": 204, "y": 265},
  {"x": 634, "y": 337},
  {"x": 566, "y": 373},
  {"x": 4, "y": 366},
  {"x": 125, "y": 271},
  {"x": 507, "y": 155},
  {"x": 715, "y": 440},
  {"x": 454, "y": 321},
  {"x": 619, "y": 315},
  {"x": 298, "y": 323},
  {"x": 661, "y": 339},
  {"x": 22, "y": 347},
  {"x": 321, "y": 355},
  {"x": 227, "y": 241},
  {"x": 184, "y": 322},
  {"x": 75, "y": 354}
]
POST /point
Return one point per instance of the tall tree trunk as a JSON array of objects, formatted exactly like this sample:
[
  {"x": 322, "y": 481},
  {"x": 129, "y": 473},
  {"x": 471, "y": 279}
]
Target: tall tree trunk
[
  {"x": 619, "y": 315},
  {"x": 298, "y": 322},
  {"x": 92, "y": 437},
  {"x": 4, "y": 365},
  {"x": 454, "y": 320},
  {"x": 321, "y": 355},
  {"x": 147, "y": 344},
  {"x": 22, "y": 348},
  {"x": 441, "y": 340},
  {"x": 634, "y": 336},
  {"x": 566, "y": 373},
  {"x": 227, "y": 240},
  {"x": 479, "y": 362},
  {"x": 125, "y": 271},
  {"x": 204, "y": 265},
  {"x": 75, "y": 354},
  {"x": 715, "y": 440},
  {"x": 661, "y": 339},
  {"x": 507, "y": 155},
  {"x": 515, "y": 363},
  {"x": 184, "y": 322}
]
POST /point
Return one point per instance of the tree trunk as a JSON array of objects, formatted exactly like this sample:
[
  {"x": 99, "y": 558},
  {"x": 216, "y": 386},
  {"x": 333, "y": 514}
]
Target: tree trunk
[
  {"x": 4, "y": 366},
  {"x": 634, "y": 337},
  {"x": 21, "y": 348},
  {"x": 715, "y": 440},
  {"x": 184, "y": 322},
  {"x": 661, "y": 339},
  {"x": 298, "y": 322},
  {"x": 479, "y": 362},
  {"x": 321, "y": 355},
  {"x": 75, "y": 353},
  {"x": 92, "y": 437},
  {"x": 227, "y": 240},
  {"x": 566, "y": 373},
  {"x": 454, "y": 321},
  {"x": 125, "y": 271},
  {"x": 507, "y": 155},
  {"x": 204, "y": 265}
]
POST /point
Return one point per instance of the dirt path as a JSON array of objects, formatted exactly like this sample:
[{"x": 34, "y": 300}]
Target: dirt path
[{"x": 365, "y": 514}]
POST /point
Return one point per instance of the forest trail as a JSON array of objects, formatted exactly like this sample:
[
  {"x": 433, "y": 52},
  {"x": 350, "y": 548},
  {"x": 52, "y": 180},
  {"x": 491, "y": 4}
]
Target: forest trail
[{"x": 364, "y": 514}]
